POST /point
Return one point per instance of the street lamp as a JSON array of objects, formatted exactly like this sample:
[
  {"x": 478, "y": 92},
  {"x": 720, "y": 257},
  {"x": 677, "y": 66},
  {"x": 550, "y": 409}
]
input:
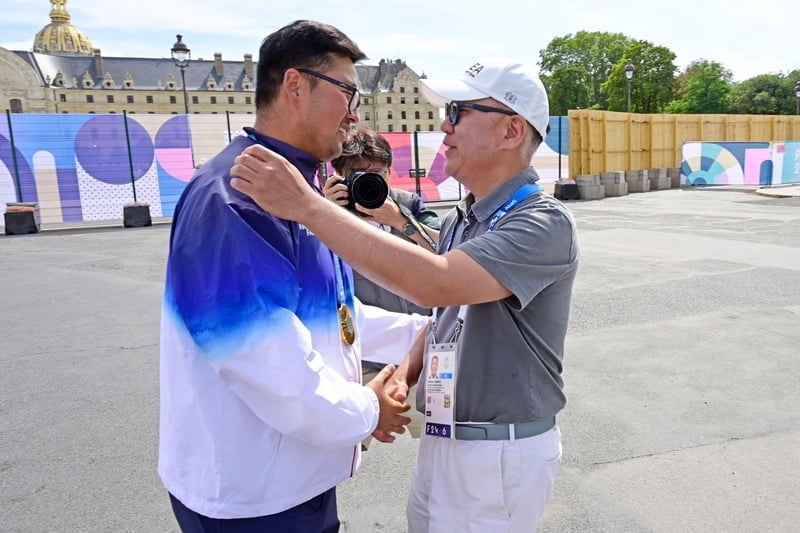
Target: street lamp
[
  {"x": 629, "y": 70},
  {"x": 797, "y": 95},
  {"x": 180, "y": 56}
]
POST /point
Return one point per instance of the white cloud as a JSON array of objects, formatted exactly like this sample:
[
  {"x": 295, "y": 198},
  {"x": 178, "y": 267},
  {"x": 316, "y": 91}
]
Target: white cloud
[{"x": 438, "y": 38}]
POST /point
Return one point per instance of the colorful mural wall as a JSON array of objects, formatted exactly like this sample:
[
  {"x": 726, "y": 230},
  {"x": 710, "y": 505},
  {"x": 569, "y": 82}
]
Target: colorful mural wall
[
  {"x": 740, "y": 163},
  {"x": 83, "y": 168}
]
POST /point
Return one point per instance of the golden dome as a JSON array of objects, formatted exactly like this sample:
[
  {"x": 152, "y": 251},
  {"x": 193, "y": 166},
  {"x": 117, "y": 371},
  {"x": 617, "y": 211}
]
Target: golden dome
[{"x": 61, "y": 37}]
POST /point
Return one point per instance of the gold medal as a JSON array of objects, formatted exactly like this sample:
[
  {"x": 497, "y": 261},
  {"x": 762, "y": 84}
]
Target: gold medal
[{"x": 346, "y": 327}]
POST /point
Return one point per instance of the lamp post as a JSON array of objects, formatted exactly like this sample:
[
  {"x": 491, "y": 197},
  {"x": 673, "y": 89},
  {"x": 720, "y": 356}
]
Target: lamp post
[
  {"x": 797, "y": 95},
  {"x": 629, "y": 70},
  {"x": 180, "y": 56}
]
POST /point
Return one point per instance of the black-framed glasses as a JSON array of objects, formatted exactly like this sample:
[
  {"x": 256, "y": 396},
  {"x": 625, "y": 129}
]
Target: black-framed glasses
[
  {"x": 453, "y": 110},
  {"x": 355, "y": 96}
]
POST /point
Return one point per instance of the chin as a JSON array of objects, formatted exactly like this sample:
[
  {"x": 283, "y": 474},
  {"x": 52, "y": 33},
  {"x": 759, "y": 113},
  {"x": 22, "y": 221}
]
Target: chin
[{"x": 330, "y": 153}]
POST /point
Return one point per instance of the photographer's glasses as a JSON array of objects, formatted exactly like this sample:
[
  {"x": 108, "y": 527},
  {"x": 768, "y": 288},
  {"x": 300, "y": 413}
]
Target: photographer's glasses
[
  {"x": 453, "y": 110},
  {"x": 355, "y": 96}
]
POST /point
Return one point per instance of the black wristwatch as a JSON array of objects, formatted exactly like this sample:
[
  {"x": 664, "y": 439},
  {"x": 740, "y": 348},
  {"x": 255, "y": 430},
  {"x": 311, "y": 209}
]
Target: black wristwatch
[{"x": 409, "y": 229}]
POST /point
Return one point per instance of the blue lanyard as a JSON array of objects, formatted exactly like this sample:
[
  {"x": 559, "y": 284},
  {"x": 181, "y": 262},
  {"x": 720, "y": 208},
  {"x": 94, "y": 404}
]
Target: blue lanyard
[
  {"x": 337, "y": 266},
  {"x": 521, "y": 194}
]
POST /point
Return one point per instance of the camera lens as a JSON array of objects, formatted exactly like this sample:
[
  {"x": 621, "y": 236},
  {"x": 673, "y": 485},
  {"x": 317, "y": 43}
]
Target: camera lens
[{"x": 369, "y": 190}]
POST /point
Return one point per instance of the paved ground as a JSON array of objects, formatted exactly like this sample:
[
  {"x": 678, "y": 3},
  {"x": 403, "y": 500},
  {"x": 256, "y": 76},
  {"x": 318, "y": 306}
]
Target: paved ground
[{"x": 682, "y": 375}]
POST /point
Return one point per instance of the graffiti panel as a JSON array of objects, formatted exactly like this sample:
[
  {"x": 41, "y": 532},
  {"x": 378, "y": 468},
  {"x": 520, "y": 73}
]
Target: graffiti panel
[
  {"x": 80, "y": 168},
  {"x": 740, "y": 163}
]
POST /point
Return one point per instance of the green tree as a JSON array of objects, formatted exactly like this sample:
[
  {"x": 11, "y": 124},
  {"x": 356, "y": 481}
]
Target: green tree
[
  {"x": 766, "y": 94},
  {"x": 702, "y": 88},
  {"x": 653, "y": 84},
  {"x": 578, "y": 65},
  {"x": 567, "y": 89}
]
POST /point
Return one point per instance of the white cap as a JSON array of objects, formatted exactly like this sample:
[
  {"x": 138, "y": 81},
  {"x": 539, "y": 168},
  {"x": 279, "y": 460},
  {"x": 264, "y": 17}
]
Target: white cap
[{"x": 509, "y": 82}]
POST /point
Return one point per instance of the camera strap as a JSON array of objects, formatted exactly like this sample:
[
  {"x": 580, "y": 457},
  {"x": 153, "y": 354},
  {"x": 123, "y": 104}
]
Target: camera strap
[{"x": 406, "y": 212}]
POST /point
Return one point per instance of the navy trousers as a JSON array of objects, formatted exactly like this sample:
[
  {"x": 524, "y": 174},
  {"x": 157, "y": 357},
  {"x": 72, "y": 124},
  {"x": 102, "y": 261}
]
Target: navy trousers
[{"x": 317, "y": 515}]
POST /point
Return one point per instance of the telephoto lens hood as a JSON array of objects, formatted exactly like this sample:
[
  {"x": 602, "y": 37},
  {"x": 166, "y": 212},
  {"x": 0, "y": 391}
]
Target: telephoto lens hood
[{"x": 367, "y": 189}]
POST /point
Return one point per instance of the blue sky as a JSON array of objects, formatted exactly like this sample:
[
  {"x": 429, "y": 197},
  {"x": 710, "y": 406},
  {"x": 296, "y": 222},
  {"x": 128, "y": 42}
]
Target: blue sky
[{"x": 440, "y": 38}]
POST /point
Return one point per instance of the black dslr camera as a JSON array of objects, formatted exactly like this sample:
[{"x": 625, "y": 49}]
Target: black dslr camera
[{"x": 367, "y": 189}]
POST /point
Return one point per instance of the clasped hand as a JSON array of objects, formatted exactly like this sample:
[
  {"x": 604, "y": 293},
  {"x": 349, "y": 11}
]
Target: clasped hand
[{"x": 391, "y": 392}]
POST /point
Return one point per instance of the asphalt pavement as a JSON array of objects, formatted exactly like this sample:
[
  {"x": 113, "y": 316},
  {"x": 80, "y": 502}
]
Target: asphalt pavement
[{"x": 682, "y": 372}]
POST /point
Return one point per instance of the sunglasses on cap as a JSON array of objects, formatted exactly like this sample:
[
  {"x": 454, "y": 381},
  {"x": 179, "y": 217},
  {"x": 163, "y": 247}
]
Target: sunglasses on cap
[{"x": 453, "y": 110}]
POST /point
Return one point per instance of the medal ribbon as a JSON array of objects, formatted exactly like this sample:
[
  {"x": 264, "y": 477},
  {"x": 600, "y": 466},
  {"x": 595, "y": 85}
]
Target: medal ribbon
[{"x": 341, "y": 295}]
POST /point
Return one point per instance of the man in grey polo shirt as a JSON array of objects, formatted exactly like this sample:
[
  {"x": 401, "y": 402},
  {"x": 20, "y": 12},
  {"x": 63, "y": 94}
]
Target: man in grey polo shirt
[{"x": 500, "y": 285}]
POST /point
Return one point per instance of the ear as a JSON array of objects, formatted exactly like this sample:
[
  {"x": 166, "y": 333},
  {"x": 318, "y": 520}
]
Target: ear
[
  {"x": 515, "y": 131},
  {"x": 294, "y": 85}
]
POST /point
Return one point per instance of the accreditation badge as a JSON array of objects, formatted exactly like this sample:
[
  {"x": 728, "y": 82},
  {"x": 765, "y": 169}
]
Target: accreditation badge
[
  {"x": 347, "y": 329},
  {"x": 440, "y": 387}
]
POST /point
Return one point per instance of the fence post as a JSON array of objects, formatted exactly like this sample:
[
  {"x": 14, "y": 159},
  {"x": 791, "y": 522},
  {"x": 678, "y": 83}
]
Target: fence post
[
  {"x": 14, "y": 157},
  {"x": 416, "y": 161},
  {"x": 560, "y": 135},
  {"x": 130, "y": 156}
]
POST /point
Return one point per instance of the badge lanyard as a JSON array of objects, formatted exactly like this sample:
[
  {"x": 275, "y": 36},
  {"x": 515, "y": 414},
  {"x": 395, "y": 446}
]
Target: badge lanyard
[
  {"x": 346, "y": 327},
  {"x": 440, "y": 376}
]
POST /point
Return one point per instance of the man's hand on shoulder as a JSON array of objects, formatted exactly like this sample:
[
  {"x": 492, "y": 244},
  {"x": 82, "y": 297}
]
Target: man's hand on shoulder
[{"x": 273, "y": 183}]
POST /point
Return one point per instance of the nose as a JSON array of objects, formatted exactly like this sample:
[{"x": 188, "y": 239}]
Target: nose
[
  {"x": 446, "y": 126},
  {"x": 354, "y": 116}
]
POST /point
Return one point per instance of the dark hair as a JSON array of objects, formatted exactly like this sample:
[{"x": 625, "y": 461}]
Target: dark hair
[
  {"x": 364, "y": 144},
  {"x": 301, "y": 44}
]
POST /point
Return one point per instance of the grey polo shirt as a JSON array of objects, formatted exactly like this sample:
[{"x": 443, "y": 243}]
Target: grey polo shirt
[{"x": 511, "y": 351}]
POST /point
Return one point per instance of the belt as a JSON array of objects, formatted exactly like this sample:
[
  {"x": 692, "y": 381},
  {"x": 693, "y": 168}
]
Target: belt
[{"x": 503, "y": 431}]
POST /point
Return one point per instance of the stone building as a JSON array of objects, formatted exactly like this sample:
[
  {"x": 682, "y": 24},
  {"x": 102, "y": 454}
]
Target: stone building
[{"x": 65, "y": 73}]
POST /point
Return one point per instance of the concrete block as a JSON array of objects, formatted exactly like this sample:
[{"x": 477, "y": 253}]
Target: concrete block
[
  {"x": 614, "y": 178},
  {"x": 616, "y": 189},
  {"x": 637, "y": 180},
  {"x": 658, "y": 179},
  {"x": 674, "y": 175},
  {"x": 136, "y": 216},
  {"x": 587, "y": 179},
  {"x": 21, "y": 218},
  {"x": 20, "y": 222},
  {"x": 632, "y": 175},
  {"x": 566, "y": 190},
  {"x": 591, "y": 192},
  {"x": 614, "y": 183}
]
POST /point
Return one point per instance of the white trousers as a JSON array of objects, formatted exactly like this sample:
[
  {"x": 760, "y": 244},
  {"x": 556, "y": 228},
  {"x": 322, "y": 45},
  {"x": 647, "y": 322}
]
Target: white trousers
[{"x": 482, "y": 485}]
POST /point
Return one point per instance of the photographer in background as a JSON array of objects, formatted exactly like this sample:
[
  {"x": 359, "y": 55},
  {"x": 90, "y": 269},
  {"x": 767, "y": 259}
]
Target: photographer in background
[{"x": 403, "y": 214}]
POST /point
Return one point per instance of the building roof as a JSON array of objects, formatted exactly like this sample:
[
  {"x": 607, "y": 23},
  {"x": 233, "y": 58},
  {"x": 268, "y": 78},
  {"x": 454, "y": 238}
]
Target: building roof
[
  {"x": 154, "y": 73},
  {"x": 380, "y": 77},
  {"x": 145, "y": 73}
]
